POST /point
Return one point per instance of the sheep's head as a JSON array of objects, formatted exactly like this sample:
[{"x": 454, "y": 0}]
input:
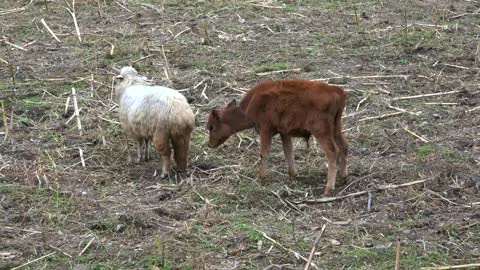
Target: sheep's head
[
  {"x": 219, "y": 129},
  {"x": 127, "y": 72}
]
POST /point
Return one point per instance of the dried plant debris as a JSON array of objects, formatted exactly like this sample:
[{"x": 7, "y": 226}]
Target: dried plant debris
[{"x": 72, "y": 197}]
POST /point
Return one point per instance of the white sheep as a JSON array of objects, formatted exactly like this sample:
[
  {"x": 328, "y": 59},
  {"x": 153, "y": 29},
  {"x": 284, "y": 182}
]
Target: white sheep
[{"x": 155, "y": 114}]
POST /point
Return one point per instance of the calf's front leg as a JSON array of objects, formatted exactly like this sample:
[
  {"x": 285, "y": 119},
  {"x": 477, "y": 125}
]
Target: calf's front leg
[{"x": 265, "y": 144}]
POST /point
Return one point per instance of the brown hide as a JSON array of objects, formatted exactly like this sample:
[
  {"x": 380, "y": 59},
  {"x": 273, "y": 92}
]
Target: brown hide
[{"x": 292, "y": 108}]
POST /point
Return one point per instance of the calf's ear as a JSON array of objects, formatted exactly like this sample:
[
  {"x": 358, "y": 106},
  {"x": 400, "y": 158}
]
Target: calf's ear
[
  {"x": 215, "y": 115},
  {"x": 232, "y": 104}
]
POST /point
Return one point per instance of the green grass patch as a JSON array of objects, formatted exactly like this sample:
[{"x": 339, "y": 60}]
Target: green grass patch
[
  {"x": 271, "y": 67},
  {"x": 425, "y": 150},
  {"x": 199, "y": 139},
  {"x": 252, "y": 234},
  {"x": 452, "y": 156}
]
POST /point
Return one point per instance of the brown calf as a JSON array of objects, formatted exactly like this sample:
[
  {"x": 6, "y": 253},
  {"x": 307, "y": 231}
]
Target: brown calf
[{"x": 293, "y": 108}]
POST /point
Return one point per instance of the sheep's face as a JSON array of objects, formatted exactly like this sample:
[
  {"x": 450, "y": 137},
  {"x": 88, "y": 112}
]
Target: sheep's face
[
  {"x": 127, "y": 72},
  {"x": 218, "y": 130}
]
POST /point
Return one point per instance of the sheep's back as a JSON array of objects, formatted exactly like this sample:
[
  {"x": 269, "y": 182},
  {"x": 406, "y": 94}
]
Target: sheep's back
[{"x": 145, "y": 110}]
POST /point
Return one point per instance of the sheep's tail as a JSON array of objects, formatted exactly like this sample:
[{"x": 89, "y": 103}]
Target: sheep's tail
[{"x": 181, "y": 115}]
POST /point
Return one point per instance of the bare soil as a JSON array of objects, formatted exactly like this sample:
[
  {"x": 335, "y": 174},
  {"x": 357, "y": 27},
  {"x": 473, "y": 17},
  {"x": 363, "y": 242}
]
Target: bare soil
[{"x": 115, "y": 214}]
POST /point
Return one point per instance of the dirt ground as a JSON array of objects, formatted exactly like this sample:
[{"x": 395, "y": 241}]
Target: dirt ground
[{"x": 412, "y": 121}]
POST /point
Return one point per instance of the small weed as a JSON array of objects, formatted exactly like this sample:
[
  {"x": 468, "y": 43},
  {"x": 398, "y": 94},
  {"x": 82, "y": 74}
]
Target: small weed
[
  {"x": 199, "y": 139},
  {"x": 451, "y": 156},
  {"x": 35, "y": 102},
  {"x": 253, "y": 235},
  {"x": 425, "y": 150},
  {"x": 271, "y": 67},
  {"x": 25, "y": 32}
]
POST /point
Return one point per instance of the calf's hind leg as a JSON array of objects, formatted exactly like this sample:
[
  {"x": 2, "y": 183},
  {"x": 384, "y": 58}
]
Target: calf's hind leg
[
  {"x": 343, "y": 154},
  {"x": 288, "y": 150},
  {"x": 327, "y": 142}
]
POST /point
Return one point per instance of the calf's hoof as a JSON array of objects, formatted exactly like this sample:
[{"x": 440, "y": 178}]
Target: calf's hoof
[
  {"x": 262, "y": 181},
  {"x": 292, "y": 174},
  {"x": 328, "y": 193}
]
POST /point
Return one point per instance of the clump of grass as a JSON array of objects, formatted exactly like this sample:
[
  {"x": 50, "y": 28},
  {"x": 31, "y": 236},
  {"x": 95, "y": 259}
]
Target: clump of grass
[
  {"x": 271, "y": 67},
  {"x": 425, "y": 150},
  {"x": 252, "y": 234}
]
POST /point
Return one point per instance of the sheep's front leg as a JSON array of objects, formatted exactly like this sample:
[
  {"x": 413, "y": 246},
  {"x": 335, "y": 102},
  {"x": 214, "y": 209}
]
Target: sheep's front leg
[
  {"x": 288, "y": 150},
  {"x": 266, "y": 142}
]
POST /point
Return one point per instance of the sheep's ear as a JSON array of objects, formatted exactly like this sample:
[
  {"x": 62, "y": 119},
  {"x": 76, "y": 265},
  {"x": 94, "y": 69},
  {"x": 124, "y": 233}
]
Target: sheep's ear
[
  {"x": 232, "y": 104},
  {"x": 215, "y": 115}
]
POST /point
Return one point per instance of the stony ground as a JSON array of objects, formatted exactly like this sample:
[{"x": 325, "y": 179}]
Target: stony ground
[{"x": 412, "y": 121}]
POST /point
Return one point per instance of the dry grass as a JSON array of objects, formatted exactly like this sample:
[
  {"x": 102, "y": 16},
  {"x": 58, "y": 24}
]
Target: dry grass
[{"x": 112, "y": 214}]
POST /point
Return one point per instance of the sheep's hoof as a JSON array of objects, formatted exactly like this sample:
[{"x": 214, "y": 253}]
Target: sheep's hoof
[
  {"x": 342, "y": 181},
  {"x": 164, "y": 175}
]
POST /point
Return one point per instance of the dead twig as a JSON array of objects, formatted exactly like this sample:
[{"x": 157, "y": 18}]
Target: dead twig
[
  {"x": 427, "y": 95},
  {"x": 59, "y": 250},
  {"x": 86, "y": 247},
  {"x": 4, "y": 119},
  {"x": 415, "y": 135},
  {"x": 278, "y": 71},
  {"x": 15, "y": 46},
  {"x": 380, "y": 116},
  {"x": 81, "y": 156},
  {"x": 296, "y": 254},
  {"x": 77, "y": 112},
  {"x": 366, "y": 77},
  {"x": 402, "y": 110},
  {"x": 310, "y": 257},
  {"x": 360, "y": 102},
  {"x": 355, "y": 194},
  {"x": 166, "y": 69},
  {"x": 440, "y": 103},
  {"x": 122, "y": 6},
  {"x": 397, "y": 257},
  {"x": 35, "y": 260},
  {"x": 447, "y": 200},
  {"x": 473, "y": 109},
  {"x": 71, "y": 10},
  {"x": 49, "y": 30},
  {"x": 288, "y": 205},
  {"x": 6, "y": 12},
  {"x": 452, "y": 266}
]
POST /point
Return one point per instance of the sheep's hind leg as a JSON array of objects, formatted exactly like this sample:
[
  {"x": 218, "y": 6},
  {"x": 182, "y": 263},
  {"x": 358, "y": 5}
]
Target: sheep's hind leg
[
  {"x": 163, "y": 147},
  {"x": 180, "y": 151},
  {"x": 140, "y": 150},
  {"x": 146, "y": 157}
]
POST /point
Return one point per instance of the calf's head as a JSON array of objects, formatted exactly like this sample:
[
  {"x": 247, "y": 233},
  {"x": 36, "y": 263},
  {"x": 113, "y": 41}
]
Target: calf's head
[{"x": 218, "y": 125}]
